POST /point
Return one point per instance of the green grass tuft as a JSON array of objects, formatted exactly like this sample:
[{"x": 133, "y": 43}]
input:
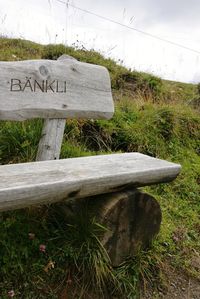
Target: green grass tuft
[{"x": 152, "y": 116}]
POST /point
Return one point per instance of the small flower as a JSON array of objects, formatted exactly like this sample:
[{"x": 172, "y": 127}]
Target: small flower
[
  {"x": 31, "y": 236},
  {"x": 43, "y": 248},
  {"x": 11, "y": 293}
]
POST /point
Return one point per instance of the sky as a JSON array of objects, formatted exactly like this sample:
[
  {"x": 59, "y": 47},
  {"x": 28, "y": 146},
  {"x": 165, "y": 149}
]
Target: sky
[{"x": 52, "y": 21}]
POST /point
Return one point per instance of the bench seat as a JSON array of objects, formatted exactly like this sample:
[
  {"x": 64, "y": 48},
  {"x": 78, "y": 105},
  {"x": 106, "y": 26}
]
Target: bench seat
[{"x": 25, "y": 184}]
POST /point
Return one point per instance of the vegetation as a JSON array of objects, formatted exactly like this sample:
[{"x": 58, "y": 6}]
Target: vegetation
[{"x": 45, "y": 255}]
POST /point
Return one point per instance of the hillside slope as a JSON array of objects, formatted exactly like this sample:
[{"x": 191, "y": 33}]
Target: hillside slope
[{"x": 153, "y": 117}]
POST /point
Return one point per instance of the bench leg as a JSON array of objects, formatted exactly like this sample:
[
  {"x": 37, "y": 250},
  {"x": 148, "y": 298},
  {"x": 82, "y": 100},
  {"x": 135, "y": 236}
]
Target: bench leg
[{"x": 132, "y": 218}]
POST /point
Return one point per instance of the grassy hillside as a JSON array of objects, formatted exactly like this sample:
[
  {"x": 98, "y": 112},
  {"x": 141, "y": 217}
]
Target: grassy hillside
[{"x": 153, "y": 117}]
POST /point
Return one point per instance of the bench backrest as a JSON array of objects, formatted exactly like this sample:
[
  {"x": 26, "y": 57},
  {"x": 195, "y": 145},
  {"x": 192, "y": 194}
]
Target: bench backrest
[{"x": 54, "y": 90}]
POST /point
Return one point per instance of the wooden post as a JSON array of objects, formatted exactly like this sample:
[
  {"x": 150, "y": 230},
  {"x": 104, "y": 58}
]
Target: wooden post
[
  {"x": 51, "y": 140},
  {"x": 52, "y": 134}
]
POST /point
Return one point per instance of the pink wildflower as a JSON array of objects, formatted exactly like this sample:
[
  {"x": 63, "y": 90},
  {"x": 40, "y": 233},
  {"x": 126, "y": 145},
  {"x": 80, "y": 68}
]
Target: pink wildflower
[
  {"x": 43, "y": 248},
  {"x": 11, "y": 293}
]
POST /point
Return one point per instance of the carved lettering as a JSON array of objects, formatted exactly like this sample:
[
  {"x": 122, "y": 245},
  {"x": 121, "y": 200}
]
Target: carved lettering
[
  {"x": 49, "y": 86},
  {"x": 27, "y": 85},
  {"x": 57, "y": 87},
  {"x": 31, "y": 85},
  {"x": 39, "y": 85},
  {"x": 15, "y": 85}
]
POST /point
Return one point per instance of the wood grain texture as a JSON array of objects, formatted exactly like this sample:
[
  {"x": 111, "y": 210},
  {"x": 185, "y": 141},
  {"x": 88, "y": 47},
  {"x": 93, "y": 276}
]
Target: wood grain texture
[
  {"x": 88, "y": 90},
  {"x": 26, "y": 184},
  {"x": 52, "y": 133},
  {"x": 132, "y": 219},
  {"x": 51, "y": 140}
]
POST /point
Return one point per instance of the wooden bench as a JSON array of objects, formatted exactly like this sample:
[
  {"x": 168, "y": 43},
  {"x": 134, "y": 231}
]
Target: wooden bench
[{"x": 56, "y": 90}]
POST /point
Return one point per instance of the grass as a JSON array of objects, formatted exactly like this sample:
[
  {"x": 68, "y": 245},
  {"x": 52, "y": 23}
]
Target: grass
[
  {"x": 152, "y": 117},
  {"x": 19, "y": 141}
]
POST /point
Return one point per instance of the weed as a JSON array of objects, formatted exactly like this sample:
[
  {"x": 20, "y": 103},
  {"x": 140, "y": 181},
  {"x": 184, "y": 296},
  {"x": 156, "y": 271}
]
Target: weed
[
  {"x": 152, "y": 117},
  {"x": 19, "y": 141}
]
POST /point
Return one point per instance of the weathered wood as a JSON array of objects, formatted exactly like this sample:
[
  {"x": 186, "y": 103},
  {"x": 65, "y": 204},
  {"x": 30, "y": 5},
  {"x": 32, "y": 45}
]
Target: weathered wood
[
  {"x": 51, "y": 140},
  {"x": 26, "y": 184},
  {"x": 132, "y": 219},
  {"x": 52, "y": 133},
  {"x": 54, "y": 89}
]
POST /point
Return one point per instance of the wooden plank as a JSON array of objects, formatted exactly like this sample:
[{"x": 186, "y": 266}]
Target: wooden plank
[
  {"x": 52, "y": 132},
  {"x": 54, "y": 89},
  {"x": 26, "y": 184}
]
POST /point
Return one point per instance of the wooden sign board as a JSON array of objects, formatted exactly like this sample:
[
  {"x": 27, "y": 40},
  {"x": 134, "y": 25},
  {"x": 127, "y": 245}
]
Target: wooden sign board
[{"x": 54, "y": 89}]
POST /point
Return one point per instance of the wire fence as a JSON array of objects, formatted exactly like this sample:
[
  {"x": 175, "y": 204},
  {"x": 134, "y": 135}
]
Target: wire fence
[{"x": 59, "y": 21}]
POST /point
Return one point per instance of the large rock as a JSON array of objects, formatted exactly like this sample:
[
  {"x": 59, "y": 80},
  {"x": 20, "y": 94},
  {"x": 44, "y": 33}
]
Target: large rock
[{"x": 132, "y": 219}]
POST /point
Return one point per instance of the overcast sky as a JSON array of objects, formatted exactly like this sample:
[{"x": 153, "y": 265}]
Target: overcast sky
[{"x": 49, "y": 21}]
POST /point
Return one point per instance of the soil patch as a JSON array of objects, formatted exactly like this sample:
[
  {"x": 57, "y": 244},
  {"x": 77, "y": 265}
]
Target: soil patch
[{"x": 179, "y": 286}]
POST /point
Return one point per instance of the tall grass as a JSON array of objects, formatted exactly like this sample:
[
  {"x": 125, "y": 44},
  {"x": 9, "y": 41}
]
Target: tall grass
[
  {"x": 19, "y": 141},
  {"x": 152, "y": 117}
]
